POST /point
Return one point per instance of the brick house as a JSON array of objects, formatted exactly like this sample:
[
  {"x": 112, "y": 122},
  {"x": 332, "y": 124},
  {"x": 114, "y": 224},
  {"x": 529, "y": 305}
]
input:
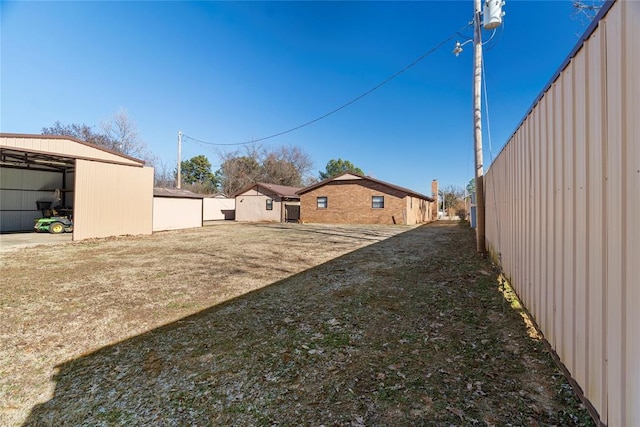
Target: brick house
[
  {"x": 267, "y": 202},
  {"x": 350, "y": 198}
]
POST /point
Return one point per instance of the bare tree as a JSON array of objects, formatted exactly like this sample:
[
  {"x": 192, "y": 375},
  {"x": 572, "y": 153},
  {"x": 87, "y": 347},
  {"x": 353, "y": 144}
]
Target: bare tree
[
  {"x": 119, "y": 133},
  {"x": 283, "y": 165},
  {"x": 452, "y": 197},
  {"x": 586, "y": 10},
  {"x": 164, "y": 175},
  {"x": 122, "y": 132},
  {"x": 279, "y": 171},
  {"x": 298, "y": 158},
  {"x": 237, "y": 171},
  {"x": 79, "y": 131}
]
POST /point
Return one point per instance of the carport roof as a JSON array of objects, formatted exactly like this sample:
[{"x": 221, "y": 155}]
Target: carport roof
[{"x": 55, "y": 151}]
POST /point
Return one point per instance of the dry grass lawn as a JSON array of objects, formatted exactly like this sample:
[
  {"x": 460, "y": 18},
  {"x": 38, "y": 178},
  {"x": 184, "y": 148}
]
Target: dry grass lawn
[{"x": 271, "y": 324}]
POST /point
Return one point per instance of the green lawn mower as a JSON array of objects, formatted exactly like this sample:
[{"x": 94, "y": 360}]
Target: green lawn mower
[{"x": 52, "y": 221}]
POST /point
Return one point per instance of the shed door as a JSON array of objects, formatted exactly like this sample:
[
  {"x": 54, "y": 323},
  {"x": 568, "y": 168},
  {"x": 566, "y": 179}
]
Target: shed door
[{"x": 292, "y": 213}]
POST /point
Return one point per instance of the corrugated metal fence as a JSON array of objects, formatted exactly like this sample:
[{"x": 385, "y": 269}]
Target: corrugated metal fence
[{"x": 563, "y": 212}]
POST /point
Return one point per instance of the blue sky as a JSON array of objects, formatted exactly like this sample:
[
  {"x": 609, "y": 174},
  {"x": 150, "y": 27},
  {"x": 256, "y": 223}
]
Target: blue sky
[{"x": 228, "y": 72}]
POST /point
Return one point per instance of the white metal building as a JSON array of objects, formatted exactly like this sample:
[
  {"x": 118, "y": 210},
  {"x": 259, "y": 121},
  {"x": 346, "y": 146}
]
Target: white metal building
[
  {"x": 109, "y": 194},
  {"x": 218, "y": 208},
  {"x": 175, "y": 209}
]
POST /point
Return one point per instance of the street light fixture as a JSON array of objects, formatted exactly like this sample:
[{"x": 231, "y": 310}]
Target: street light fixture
[{"x": 458, "y": 48}]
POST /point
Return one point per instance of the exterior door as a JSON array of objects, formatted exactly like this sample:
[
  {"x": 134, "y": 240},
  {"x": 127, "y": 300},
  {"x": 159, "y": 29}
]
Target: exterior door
[{"x": 292, "y": 213}]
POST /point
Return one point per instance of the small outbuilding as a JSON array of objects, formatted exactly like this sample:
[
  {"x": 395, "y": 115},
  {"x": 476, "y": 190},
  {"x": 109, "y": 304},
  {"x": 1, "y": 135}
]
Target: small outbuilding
[
  {"x": 350, "y": 198},
  {"x": 106, "y": 193},
  {"x": 175, "y": 209},
  {"x": 218, "y": 207},
  {"x": 268, "y": 202}
]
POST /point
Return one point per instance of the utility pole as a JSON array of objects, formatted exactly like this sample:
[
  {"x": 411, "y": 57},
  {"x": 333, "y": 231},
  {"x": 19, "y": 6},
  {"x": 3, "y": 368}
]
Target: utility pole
[
  {"x": 477, "y": 125},
  {"x": 492, "y": 19},
  {"x": 179, "y": 159}
]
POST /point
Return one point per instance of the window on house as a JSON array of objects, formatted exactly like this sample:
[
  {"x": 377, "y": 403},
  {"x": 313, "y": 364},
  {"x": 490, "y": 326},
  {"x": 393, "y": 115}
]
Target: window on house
[
  {"x": 322, "y": 202},
  {"x": 377, "y": 202},
  {"x": 269, "y": 204}
]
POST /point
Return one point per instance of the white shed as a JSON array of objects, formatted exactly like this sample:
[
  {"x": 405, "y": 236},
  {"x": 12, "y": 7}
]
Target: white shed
[
  {"x": 175, "y": 209},
  {"x": 219, "y": 207}
]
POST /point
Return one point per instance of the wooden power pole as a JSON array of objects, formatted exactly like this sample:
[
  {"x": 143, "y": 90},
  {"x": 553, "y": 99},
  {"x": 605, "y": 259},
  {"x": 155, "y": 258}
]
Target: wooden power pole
[{"x": 477, "y": 125}]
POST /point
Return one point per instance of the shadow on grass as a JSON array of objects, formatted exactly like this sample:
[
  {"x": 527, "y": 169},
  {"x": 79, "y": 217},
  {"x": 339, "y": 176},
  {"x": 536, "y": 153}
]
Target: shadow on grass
[
  {"x": 401, "y": 332},
  {"x": 341, "y": 231}
]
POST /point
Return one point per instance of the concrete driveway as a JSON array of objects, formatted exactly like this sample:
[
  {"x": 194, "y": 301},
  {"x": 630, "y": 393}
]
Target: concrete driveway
[{"x": 13, "y": 241}]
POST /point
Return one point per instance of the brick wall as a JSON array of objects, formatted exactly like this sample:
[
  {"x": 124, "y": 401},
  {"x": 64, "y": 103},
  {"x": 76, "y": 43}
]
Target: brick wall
[
  {"x": 419, "y": 210},
  {"x": 434, "y": 195},
  {"x": 349, "y": 202}
]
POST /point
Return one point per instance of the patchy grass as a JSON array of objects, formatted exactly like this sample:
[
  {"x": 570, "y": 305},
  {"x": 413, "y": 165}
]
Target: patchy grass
[{"x": 241, "y": 324}]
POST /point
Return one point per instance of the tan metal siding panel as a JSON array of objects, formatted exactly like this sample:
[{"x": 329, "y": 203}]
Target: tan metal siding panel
[
  {"x": 507, "y": 253},
  {"x": 546, "y": 212},
  {"x": 534, "y": 206},
  {"x": 595, "y": 389},
  {"x": 174, "y": 214},
  {"x": 517, "y": 217},
  {"x": 112, "y": 200},
  {"x": 579, "y": 216},
  {"x": 615, "y": 218},
  {"x": 552, "y": 218},
  {"x": 527, "y": 250},
  {"x": 527, "y": 253},
  {"x": 555, "y": 150},
  {"x": 631, "y": 114},
  {"x": 491, "y": 203},
  {"x": 568, "y": 223}
]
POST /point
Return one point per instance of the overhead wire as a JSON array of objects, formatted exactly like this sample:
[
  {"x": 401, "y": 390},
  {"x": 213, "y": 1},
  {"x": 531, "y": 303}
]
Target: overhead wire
[{"x": 343, "y": 106}]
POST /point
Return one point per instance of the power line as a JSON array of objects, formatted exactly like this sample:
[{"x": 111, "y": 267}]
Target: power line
[{"x": 343, "y": 106}]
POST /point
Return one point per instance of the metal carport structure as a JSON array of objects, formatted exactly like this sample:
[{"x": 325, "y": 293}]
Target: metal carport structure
[{"x": 110, "y": 194}]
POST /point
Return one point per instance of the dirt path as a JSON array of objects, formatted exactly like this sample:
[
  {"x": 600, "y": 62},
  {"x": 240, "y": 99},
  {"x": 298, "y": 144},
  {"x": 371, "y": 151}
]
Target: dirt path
[{"x": 271, "y": 325}]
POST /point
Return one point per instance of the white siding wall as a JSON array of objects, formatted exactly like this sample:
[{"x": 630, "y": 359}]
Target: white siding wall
[
  {"x": 214, "y": 208},
  {"x": 19, "y": 191},
  {"x": 171, "y": 213}
]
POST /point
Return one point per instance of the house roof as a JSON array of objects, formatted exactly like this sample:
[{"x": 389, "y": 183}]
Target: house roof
[
  {"x": 279, "y": 190},
  {"x": 177, "y": 193},
  {"x": 350, "y": 176}
]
